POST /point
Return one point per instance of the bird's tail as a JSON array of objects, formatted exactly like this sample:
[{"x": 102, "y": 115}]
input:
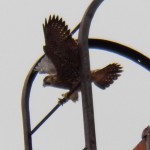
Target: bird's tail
[{"x": 103, "y": 78}]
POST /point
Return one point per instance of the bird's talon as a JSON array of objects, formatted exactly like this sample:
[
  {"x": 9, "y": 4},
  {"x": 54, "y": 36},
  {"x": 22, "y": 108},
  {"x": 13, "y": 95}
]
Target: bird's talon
[
  {"x": 65, "y": 95},
  {"x": 62, "y": 101}
]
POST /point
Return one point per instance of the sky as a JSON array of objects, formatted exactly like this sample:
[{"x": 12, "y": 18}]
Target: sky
[{"x": 121, "y": 111}]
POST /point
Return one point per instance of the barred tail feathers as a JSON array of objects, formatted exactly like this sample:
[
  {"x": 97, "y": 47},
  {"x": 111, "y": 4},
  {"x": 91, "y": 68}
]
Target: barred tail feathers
[{"x": 103, "y": 78}]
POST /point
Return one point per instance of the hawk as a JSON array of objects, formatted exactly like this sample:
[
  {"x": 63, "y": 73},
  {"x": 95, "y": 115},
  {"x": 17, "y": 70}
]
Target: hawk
[{"x": 63, "y": 63}]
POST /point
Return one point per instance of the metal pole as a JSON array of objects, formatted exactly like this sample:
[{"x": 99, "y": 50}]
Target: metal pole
[
  {"x": 87, "y": 101},
  {"x": 25, "y": 107},
  {"x": 26, "y": 113}
]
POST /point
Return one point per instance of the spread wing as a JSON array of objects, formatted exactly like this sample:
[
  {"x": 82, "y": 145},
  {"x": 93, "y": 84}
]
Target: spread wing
[{"x": 61, "y": 48}]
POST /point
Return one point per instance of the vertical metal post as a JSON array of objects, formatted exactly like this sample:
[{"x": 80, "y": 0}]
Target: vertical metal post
[{"x": 87, "y": 101}]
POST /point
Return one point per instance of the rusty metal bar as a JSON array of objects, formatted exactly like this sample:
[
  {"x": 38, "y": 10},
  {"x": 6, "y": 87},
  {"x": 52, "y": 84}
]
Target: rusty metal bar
[
  {"x": 148, "y": 142},
  {"x": 146, "y": 138},
  {"x": 144, "y": 144},
  {"x": 87, "y": 101}
]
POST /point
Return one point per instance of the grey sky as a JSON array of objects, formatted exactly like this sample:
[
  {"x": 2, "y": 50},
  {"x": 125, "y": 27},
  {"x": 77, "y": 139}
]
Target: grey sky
[{"x": 121, "y": 112}]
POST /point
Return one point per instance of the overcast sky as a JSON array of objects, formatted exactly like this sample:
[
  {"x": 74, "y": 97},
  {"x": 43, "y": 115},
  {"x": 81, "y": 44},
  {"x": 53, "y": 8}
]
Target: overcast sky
[{"x": 121, "y": 112}]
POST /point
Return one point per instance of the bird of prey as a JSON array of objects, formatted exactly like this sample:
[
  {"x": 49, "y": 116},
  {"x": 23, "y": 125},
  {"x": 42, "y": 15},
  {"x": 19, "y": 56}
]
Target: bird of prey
[{"x": 62, "y": 60}]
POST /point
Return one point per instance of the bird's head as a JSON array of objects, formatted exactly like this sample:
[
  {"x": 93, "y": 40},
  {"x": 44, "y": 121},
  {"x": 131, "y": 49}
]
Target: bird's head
[{"x": 49, "y": 80}]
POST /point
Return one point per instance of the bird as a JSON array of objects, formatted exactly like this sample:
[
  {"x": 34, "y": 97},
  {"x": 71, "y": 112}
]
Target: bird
[{"x": 62, "y": 61}]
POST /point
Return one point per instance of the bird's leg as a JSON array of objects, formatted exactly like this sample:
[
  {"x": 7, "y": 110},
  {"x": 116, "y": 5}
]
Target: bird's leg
[
  {"x": 65, "y": 94},
  {"x": 73, "y": 96},
  {"x": 64, "y": 99},
  {"x": 68, "y": 94}
]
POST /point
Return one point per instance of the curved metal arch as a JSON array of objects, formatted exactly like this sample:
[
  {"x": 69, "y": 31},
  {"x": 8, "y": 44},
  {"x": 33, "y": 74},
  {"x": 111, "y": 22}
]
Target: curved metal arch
[
  {"x": 122, "y": 50},
  {"x": 110, "y": 46}
]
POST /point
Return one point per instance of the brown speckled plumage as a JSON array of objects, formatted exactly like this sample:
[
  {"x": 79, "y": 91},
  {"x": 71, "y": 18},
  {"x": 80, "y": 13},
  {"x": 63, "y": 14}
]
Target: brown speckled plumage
[{"x": 64, "y": 53}]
